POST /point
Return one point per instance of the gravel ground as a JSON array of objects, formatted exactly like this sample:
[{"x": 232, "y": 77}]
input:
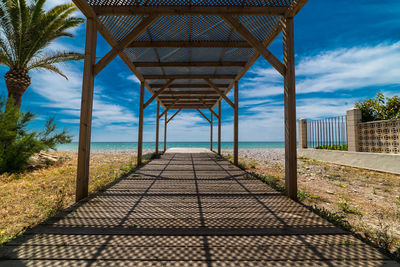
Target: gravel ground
[{"x": 265, "y": 155}]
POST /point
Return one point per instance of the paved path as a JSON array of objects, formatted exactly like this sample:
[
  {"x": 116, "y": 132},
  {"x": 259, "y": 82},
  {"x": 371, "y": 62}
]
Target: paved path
[{"x": 188, "y": 209}]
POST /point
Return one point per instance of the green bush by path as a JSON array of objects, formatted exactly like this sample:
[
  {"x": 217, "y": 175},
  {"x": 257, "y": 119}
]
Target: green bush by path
[
  {"x": 333, "y": 147},
  {"x": 379, "y": 108},
  {"x": 17, "y": 143}
]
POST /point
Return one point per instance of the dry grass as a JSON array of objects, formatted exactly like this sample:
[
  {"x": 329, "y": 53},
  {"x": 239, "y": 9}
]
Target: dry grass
[
  {"x": 368, "y": 202},
  {"x": 29, "y": 198}
]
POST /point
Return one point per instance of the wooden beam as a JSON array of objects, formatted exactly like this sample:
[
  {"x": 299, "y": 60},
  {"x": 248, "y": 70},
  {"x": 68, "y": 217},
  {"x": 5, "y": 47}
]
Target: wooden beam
[
  {"x": 183, "y": 98},
  {"x": 190, "y": 93},
  {"x": 82, "y": 180},
  {"x": 158, "y": 93},
  {"x": 166, "y": 108},
  {"x": 290, "y": 110},
  {"x": 190, "y": 103},
  {"x": 202, "y": 114},
  {"x": 110, "y": 40},
  {"x": 136, "y": 32},
  {"x": 294, "y": 8},
  {"x": 248, "y": 36},
  {"x": 189, "y": 64},
  {"x": 204, "y": 103},
  {"x": 165, "y": 129},
  {"x": 191, "y": 106},
  {"x": 85, "y": 8},
  {"x": 201, "y": 76},
  {"x": 115, "y": 10},
  {"x": 140, "y": 134},
  {"x": 190, "y": 44},
  {"x": 185, "y": 86},
  {"x": 162, "y": 114},
  {"x": 219, "y": 92},
  {"x": 132, "y": 67},
  {"x": 276, "y": 31},
  {"x": 211, "y": 132},
  {"x": 236, "y": 126},
  {"x": 187, "y": 102},
  {"x": 176, "y": 113},
  {"x": 157, "y": 125},
  {"x": 219, "y": 128}
]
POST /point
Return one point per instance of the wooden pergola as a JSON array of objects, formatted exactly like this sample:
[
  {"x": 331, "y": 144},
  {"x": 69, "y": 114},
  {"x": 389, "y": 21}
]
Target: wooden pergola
[{"x": 189, "y": 55}]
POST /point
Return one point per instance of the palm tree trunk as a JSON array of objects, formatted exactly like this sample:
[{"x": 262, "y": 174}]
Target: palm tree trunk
[{"x": 17, "y": 81}]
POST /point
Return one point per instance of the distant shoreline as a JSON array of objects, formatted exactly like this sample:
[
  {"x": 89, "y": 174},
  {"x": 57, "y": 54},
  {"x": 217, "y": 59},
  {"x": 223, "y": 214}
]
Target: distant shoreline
[{"x": 127, "y": 146}]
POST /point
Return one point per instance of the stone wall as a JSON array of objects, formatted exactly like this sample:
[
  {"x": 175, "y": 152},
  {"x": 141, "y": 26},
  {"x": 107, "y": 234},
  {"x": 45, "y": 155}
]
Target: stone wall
[{"x": 379, "y": 136}]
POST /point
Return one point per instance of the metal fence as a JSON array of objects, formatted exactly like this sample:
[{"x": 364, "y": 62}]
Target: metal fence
[{"x": 329, "y": 131}]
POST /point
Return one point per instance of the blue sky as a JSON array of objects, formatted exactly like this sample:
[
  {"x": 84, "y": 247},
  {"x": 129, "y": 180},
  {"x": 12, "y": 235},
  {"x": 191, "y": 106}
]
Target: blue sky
[{"x": 346, "y": 51}]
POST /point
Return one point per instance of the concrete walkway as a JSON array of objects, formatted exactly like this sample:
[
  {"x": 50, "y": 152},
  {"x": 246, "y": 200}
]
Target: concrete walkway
[{"x": 188, "y": 209}]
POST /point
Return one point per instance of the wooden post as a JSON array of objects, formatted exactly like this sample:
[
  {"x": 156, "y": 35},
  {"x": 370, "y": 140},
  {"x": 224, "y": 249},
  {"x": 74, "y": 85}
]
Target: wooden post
[
  {"x": 219, "y": 128},
  {"x": 290, "y": 110},
  {"x": 165, "y": 130},
  {"x": 82, "y": 180},
  {"x": 236, "y": 126},
  {"x": 211, "y": 132},
  {"x": 157, "y": 125},
  {"x": 140, "y": 134}
]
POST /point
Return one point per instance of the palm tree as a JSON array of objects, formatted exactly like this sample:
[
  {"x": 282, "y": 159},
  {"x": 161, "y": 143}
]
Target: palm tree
[{"x": 26, "y": 30}]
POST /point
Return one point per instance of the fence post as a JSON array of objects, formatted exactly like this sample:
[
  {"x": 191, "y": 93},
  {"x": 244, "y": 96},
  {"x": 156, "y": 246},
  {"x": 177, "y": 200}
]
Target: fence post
[
  {"x": 303, "y": 134},
  {"x": 353, "y": 118}
]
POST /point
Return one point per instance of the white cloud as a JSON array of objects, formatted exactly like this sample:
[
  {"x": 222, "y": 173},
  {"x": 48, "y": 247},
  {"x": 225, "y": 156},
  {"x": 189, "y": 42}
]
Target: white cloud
[
  {"x": 51, "y": 3},
  {"x": 65, "y": 95},
  {"x": 133, "y": 78},
  {"x": 330, "y": 71},
  {"x": 261, "y": 118}
]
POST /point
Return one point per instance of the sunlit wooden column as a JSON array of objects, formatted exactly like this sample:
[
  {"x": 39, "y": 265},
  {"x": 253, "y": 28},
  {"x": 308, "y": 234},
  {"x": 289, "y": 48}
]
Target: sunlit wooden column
[
  {"x": 236, "y": 126},
  {"x": 157, "y": 125},
  {"x": 219, "y": 128},
  {"x": 290, "y": 110},
  {"x": 85, "y": 127},
  {"x": 140, "y": 134},
  {"x": 211, "y": 132},
  {"x": 165, "y": 130}
]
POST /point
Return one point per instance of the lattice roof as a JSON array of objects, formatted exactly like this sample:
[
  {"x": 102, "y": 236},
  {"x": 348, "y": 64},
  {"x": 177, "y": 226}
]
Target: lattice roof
[{"x": 190, "y": 42}]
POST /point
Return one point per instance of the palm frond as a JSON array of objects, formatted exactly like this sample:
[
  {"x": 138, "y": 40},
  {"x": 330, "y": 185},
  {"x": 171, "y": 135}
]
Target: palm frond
[
  {"x": 48, "y": 61},
  {"x": 52, "y": 68},
  {"x": 27, "y": 29}
]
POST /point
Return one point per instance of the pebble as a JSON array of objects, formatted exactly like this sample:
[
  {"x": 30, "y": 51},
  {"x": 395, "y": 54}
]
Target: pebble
[{"x": 268, "y": 155}]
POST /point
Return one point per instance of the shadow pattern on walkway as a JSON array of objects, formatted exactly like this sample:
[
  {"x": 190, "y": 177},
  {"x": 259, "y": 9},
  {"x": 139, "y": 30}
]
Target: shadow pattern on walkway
[{"x": 188, "y": 209}]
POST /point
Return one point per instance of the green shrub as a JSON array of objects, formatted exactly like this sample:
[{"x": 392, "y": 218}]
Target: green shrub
[
  {"x": 379, "y": 108},
  {"x": 333, "y": 147},
  {"x": 17, "y": 143}
]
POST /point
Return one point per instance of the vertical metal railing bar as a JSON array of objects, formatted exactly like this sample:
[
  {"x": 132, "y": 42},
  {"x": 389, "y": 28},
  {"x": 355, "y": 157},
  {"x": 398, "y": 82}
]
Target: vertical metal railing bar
[
  {"x": 315, "y": 136},
  {"x": 338, "y": 124},
  {"x": 337, "y": 131},
  {"x": 320, "y": 133},
  {"x": 308, "y": 131},
  {"x": 327, "y": 132},
  {"x": 333, "y": 131},
  {"x": 313, "y": 133}
]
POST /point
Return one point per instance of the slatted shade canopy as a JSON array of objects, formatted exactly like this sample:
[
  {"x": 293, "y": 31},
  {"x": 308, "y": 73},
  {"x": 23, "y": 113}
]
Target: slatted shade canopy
[{"x": 189, "y": 55}]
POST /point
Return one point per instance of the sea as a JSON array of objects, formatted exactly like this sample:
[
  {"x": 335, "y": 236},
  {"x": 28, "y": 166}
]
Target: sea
[{"x": 150, "y": 145}]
